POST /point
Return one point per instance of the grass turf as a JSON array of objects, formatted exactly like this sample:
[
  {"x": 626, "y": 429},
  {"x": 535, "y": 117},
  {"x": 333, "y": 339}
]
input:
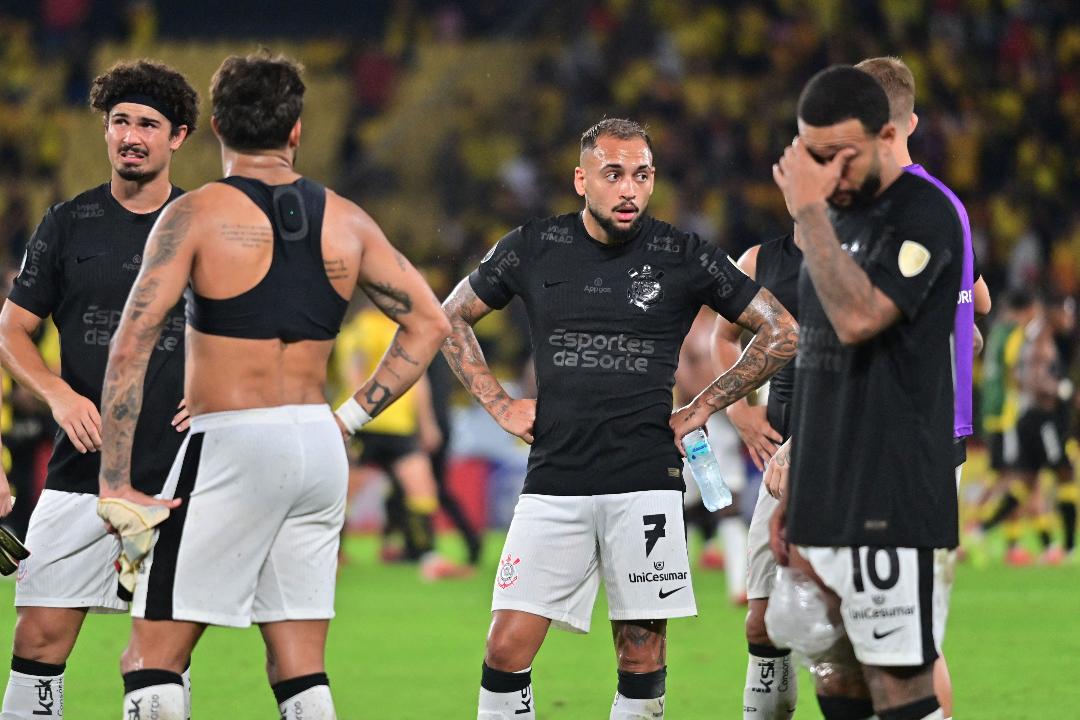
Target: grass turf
[{"x": 403, "y": 649}]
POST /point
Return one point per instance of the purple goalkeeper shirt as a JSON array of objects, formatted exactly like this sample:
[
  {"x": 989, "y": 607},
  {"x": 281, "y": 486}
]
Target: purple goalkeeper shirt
[{"x": 964, "y": 330}]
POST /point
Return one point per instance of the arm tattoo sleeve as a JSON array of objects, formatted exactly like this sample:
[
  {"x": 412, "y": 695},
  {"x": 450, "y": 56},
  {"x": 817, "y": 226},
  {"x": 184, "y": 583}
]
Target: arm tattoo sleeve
[
  {"x": 463, "y": 354},
  {"x": 122, "y": 395},
  {"x": 138, "y": 332},
  {"x": 843, "y": 287},
  {"x": 772, "y": 347}
]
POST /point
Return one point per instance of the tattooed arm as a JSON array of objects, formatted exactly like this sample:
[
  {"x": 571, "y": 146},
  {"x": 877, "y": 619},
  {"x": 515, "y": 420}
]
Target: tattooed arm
[
  {"x": 463, "y": 354},
  {"x": 856, "y": 308},
  {"x": 776, "y": 336},
  {"x": 165, "y": 271},
  {"x": 401, "y": 293},
  {"x": 750, "y": 421}
]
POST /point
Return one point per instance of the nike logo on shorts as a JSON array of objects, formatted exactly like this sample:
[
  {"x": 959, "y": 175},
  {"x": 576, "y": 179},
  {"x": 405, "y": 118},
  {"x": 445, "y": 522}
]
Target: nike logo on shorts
[
  {"x": 553, "y": 283},
  {"x": 671, "y": 592},
  {"x": 887, "y": 633},
  {"x": 79, "y": 259}
]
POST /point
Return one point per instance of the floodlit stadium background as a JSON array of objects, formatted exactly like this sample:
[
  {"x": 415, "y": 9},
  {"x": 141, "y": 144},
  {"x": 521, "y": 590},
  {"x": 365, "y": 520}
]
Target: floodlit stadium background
[{"x": 451, "y": 123}]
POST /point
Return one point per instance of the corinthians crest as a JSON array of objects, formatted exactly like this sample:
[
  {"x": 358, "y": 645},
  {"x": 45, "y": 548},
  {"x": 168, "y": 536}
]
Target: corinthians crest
[{"x": 645, "y": 290}]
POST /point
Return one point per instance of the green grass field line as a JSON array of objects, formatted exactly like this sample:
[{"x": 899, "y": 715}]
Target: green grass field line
[{"x": 403, "y": 649}]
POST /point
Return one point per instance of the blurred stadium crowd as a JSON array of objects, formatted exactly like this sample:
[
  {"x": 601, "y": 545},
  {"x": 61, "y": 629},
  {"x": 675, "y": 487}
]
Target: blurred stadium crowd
[{"x": 457, "y": 121}]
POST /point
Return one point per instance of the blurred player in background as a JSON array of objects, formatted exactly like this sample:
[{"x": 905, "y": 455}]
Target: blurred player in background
[
  {"x": 1000, "y": 412},
  {"x": 610, "y": 293},
  {"x": 80, "y": 265},
  {"x": 1046, "y": 394},
  {"x": 257, "y": 492},
  {"x": 398, "y": 442}
]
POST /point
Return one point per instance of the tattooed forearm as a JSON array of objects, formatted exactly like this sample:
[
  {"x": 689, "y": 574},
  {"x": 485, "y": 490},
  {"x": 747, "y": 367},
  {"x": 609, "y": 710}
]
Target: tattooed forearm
[
  {"x": 463, "y": 354},
  {"x": 122, "y": 395},
  {"x": 772, "y": 347},
  {"x": 378, "y": 397},
  {"x": 397, "y": 351},
  {"x": 846, "y": 293},
  {"x": 391, "y": 300}
]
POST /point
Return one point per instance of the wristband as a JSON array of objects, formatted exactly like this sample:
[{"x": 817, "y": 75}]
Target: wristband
[{"x": 352, "y": 416}]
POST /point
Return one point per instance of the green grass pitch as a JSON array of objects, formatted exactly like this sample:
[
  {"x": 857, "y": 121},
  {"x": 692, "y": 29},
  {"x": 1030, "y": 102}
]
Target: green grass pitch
[{"x": 403, "y": 649}]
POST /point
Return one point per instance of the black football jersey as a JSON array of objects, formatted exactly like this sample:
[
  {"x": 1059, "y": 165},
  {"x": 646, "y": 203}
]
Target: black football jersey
[
  {"x": 872, "y": 459},
  {"x": 778, "y": 264},
  {"x": 607, "y": 322},
  {"x": 79, "y": 267}
]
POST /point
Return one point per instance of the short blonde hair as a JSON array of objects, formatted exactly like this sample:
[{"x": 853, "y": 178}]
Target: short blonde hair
[{"x": 896, "y": 79}]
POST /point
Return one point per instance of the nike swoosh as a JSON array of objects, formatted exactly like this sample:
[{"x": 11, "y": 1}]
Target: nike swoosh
[
  {"x": 84, "y": 258},
  {"x": 672, "y": 592},
  {"x": 553, "y": 283},
  {"x": 879, "y": 636}
]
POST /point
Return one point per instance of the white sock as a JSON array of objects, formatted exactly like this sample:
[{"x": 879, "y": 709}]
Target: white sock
[
  {"x": 938, "y": 714},
  {"x": 513, "y": 704},
  {"x": 733, "y": 533},
  {"x": 31, "y": 697},
  {"x": 315, "y": 703},
  {"x": 186, "y": 677},
  {"x": 771, "y": 688},
  {"x": 624, "y": 708},
  {"x": 163, "y": 702}
]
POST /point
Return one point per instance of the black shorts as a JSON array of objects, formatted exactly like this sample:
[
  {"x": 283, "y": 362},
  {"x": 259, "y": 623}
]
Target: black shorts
[
  {"x": 1040, "y": 442},
  {"x": 1003, "y": 449},
  {"x": 384, "y": 449}
]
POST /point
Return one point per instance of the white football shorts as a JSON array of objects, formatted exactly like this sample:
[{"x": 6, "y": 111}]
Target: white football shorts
[
  {"x": 256, "y": 538},
  {"x": 559, "y": 547}
]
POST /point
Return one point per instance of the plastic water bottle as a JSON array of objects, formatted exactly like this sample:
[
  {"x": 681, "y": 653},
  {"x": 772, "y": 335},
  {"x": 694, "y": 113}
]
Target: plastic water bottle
[{"x": 706, "y": 471}]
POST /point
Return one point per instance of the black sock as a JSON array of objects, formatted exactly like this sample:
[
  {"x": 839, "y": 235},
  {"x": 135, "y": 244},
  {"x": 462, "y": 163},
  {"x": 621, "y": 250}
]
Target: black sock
[
  {"x": 1005, "y": 508},
  {"x": 912, "y": 711},
  {"x": 845, "y": 708},
  {"x": 33, "y": 667},
  {"x": 1067, "y": 509},
  {"x": 643, "y": 686}
]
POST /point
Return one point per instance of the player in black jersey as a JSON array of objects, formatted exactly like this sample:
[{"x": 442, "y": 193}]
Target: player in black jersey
[
  {"x": 257, "y": 492},
  {"x": 79, "y": 266},
  {"x": 610, "y": 293},
  {"x": 872, "y": 492},
  {"x": 771, "y": 681}
]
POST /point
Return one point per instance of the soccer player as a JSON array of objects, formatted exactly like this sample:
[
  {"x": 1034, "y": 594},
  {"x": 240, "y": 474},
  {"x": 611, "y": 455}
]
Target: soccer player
[
  {"x": 1000, "y": 410},
  {"x": 610, "y": 293},
  {"x": 80, "y": 265},
  {"x": 872, "y": 492},
  {"x": 973, "y": 301},
  {"x": 257, "y": 492},
  {"x": 771, "y": 688},
  {"x": 1041, "y": 432}
]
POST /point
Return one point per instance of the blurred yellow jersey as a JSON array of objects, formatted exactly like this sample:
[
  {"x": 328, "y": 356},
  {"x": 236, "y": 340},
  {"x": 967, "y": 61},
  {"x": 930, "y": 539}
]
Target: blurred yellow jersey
[{"x": 360, "y": 345}]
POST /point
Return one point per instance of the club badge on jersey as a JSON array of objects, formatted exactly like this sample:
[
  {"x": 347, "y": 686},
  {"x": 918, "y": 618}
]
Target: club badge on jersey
[{"x": 645, "y": 291}]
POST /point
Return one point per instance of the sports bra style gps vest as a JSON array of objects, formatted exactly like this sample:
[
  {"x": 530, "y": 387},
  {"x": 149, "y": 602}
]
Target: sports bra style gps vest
[{"x": 294, "y": 300}]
